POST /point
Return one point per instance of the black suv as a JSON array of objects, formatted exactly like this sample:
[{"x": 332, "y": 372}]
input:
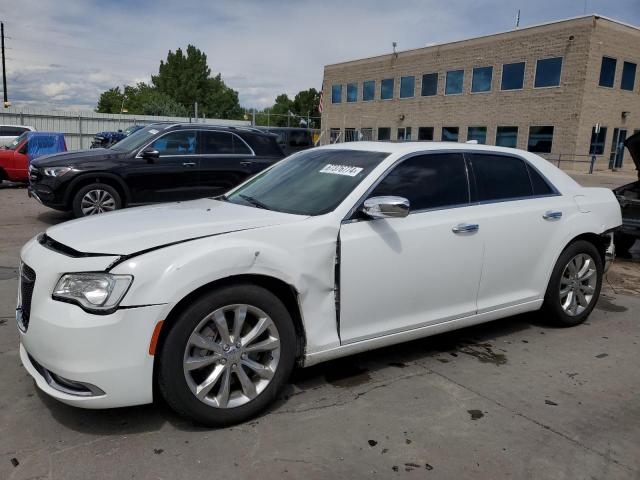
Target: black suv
[{"x": 158, "y": 163}]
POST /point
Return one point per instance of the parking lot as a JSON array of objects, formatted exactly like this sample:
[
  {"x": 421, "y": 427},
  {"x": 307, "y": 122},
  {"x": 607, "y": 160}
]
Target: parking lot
[{"x": 513, "y": 398}]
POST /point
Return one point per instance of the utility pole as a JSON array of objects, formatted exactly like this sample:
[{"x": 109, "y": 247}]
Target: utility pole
[
  {"x": 7, "y": 104},
  {"x": 195, "y": 108}
]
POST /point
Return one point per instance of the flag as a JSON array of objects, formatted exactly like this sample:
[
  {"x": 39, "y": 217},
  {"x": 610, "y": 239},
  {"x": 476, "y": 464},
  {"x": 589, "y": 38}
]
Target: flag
[{"x": 320, "y": 103}]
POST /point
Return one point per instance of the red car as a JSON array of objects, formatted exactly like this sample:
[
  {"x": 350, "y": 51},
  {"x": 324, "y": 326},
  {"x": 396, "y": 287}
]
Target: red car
[{"x": 15, "y": 158}]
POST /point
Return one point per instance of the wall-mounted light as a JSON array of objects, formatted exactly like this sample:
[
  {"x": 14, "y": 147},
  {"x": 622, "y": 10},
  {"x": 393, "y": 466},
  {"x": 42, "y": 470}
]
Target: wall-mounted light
[
  {"x": 625, "y": 114},
  {"x": 401, "y": 117}
]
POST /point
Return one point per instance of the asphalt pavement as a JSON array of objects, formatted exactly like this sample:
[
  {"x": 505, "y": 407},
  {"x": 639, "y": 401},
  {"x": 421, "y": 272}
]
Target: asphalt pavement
[{"x": 514, "y": 398}]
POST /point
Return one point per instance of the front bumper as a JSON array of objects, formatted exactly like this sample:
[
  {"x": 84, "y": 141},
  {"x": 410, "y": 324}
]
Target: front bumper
[{"x": 82, "y": 359}]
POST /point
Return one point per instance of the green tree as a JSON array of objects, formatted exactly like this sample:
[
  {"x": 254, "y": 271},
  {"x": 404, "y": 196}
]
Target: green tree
[
  {"x": 187, "y": 79},
  {"x": 305, "y": 103},
  {"x": 181, "y": 80},
  {"x": 110, "y": 101}
]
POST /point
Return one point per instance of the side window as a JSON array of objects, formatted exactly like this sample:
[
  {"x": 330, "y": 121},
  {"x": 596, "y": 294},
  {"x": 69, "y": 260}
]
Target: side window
[
  {"x": 500, "y": 177},
  {"x": 428, "y": 181},
  {"x": 539, "y": 184},
  {"x": 240, "y": 147},
  {"x": 216, "y": 143},
  {"x": 176, "y": 143}
]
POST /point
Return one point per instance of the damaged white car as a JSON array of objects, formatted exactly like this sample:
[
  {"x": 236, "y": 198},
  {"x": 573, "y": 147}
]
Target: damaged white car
[{"x": 332, "y": 251}]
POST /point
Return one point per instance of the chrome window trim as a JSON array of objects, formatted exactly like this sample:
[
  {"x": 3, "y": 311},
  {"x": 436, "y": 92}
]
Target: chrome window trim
[
  {"x": 555, "y": 192},
  {"x": 197, "y": 130}
]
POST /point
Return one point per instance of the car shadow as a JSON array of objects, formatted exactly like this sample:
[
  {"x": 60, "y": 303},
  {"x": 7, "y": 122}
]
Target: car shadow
[
  {"x": 346, "y": 372},
  {"x": 53, "y": 217},
  {"x": 7, "y": 184}
]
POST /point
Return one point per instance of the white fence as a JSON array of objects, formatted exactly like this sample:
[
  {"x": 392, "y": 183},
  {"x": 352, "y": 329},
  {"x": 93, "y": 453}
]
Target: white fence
[{"x": 80, "y": 127}]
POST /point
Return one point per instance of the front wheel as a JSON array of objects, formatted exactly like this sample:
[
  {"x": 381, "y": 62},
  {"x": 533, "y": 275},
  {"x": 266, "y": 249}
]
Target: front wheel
[
  {"x": 95, "y": 198},
  {"x": 575, "y": 284},
  {"x": 227, "y": 355}
]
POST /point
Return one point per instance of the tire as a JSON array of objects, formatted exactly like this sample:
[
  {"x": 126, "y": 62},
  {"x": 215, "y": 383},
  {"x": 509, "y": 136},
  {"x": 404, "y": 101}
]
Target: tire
[
  {"x": 95, "y": 198},
  {"x": 560, "y": 309},
  {"x": 183, "y": 349},
  {"x": 623, "y": 242}
]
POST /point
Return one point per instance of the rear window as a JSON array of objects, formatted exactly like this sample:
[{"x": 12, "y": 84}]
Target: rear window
[
  {"x": 12, "y": 131},
  {"x": 539, "y": 184},
  {"x": 500, "y": 177},
  {"x": 264, "y": 145}
]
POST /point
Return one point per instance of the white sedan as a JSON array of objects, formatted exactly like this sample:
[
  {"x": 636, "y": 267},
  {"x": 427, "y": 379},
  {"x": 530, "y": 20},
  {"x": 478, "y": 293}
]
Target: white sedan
[{"x": 330, "y": 252}]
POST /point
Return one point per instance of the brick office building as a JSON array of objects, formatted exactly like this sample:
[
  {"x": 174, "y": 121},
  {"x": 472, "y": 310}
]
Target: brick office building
[{"x": 541, "y": 88}]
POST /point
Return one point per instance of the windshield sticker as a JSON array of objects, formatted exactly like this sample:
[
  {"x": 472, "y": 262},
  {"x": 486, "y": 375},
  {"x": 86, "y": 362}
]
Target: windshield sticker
[
  {"x": 341, "y": 170},
  {"x": 153, "y": 131}
]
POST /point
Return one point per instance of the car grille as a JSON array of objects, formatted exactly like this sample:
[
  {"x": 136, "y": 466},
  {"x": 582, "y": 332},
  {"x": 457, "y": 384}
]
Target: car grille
[
  {"x": 27, "y": 282},
  {"x": 34, "y": 174}
]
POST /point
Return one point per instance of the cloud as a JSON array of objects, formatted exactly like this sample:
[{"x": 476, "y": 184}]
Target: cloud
[{"x": 65, "y": 53}]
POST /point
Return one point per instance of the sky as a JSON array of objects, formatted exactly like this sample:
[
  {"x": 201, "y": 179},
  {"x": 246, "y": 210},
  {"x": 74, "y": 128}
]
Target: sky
[{"x": 62, "y": 54}]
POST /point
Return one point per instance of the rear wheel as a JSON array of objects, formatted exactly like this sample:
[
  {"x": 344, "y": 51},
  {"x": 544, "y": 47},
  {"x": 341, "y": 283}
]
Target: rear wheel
[
  {"x": 575, "y": 284},
  {"x": 96, "y": 198},
  {"x": 227, "y": 355}
]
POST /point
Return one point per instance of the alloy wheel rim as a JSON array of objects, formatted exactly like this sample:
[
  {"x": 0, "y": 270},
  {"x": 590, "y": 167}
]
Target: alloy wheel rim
[
  {"x": 231, "y": 356},
  {"x": 578, "y": 284},
  {"x": 97, "y": 201}
]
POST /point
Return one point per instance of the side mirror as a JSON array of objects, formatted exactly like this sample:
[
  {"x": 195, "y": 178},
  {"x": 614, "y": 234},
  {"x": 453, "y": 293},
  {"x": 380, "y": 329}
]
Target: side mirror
[
  {"x": 386, "y": 207},
  {"x": 150, "y": 154}
]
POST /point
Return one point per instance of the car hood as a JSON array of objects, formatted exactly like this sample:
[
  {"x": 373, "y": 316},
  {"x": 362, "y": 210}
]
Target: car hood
[
  {"x": 63, "y": 159},
  {"x": 633, "y": 145},
  {"x": 136, "y": 230}
]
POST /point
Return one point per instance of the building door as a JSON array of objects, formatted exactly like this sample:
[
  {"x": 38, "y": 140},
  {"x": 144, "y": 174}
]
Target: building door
[{"x": 617, "y": 148}]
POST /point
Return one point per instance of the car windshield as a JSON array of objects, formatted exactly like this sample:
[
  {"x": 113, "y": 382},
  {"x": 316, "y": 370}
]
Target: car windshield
[
  {"x": 312, "y": 182},
  {"x": 138, "y": 138},
  {"x": 17, "y": 141}
]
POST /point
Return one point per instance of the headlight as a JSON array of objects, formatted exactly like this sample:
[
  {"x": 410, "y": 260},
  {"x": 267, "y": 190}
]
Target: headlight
[
  {"x": 56, "y": 171},
  {"x": 94, "y": 292}
]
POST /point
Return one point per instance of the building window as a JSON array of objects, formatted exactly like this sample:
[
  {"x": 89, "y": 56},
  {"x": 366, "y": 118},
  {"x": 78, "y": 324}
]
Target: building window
[
  {"x": 607, "y": 72},
  {"x": 507, "y": 137},
  {"x": 350, "y": 135},
  {"x": 366, "y": 134},
  {"x": 384, "y": 133},
  {"x": 386, "y": 89},
  {"x": 352, "y": 92},
  {"x": 404, "y": 134},
  {"x": 334, "y": 135},
  {"x": 477, "y": 133},
  {"x": 425, "y": 134},
  {"x": 450, "y": 134},
  {"x": 628, "y": 76},
  {"x": 336, "y": 93},
  {"x": 454, "y": 82},
  {"x": 368, "y": 90},
  {"x": 429, "y": 84},
  {"x": 597, "y": 141},
  {"x": 540, "y": 139},
  {"x": 481, "y": 80},
  {"x": 407, "y": 87},
  {"x": 512, "y": 76},
  {"x": 548, "y": 71}
]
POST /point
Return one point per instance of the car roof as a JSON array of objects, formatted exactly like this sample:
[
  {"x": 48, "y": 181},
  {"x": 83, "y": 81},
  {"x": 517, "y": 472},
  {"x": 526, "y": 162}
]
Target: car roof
[
  {"x": 210, "y": 126},
  {"x": 560, "y": 179},
  {"x": 410, "y": 147}
]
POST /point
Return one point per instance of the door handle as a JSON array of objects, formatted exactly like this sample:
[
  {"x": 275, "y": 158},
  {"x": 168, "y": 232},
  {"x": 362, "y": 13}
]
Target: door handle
[
  {"x": 189, "y": 164},
  {"x": 465, "y": 228},
  {"x": 246, "y": 163},
  {"x": 552, "y": 215}
]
